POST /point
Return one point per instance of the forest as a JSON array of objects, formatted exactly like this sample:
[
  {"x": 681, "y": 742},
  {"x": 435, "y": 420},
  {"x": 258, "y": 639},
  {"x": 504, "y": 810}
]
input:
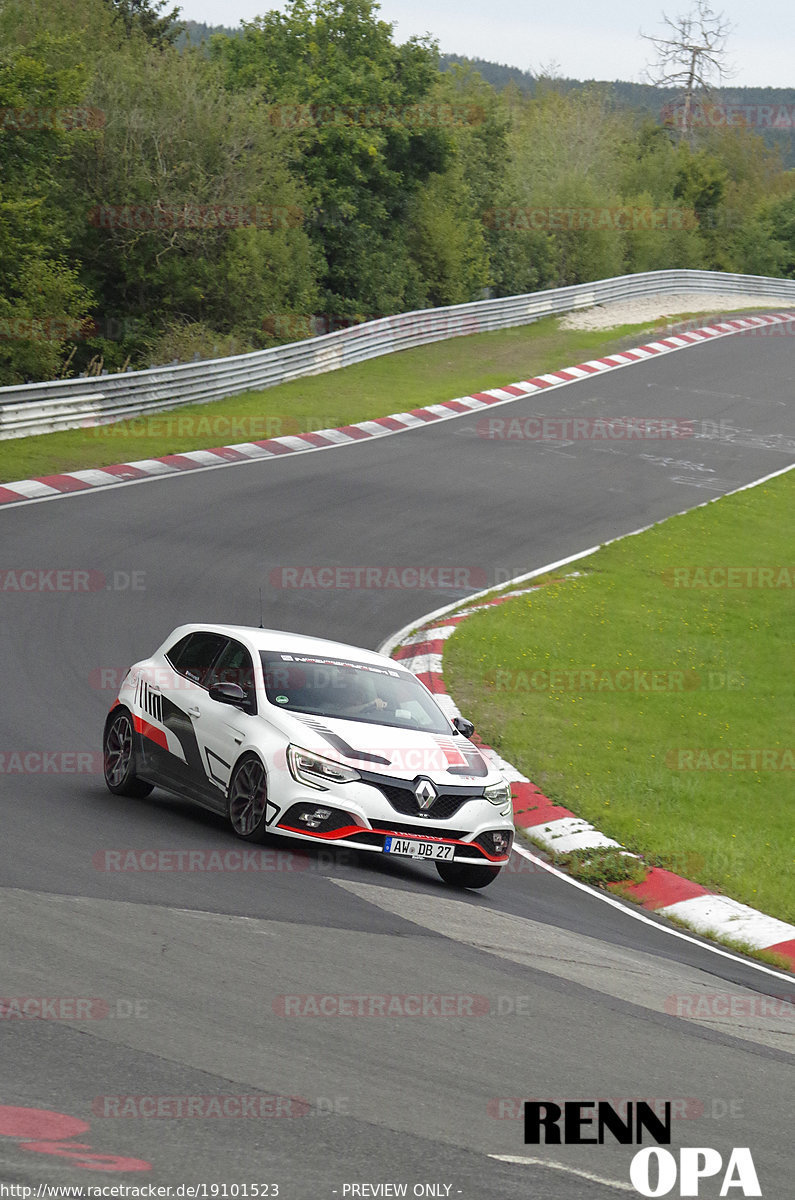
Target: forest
[{"x": 166, "y": 197}]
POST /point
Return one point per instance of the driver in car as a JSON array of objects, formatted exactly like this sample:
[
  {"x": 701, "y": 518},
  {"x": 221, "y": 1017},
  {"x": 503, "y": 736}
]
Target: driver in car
[{"x": 353, "y": 701}]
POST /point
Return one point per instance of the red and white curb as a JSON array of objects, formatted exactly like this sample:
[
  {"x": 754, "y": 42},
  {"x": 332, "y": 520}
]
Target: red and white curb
[
  {"x": 49, "y": 487},
  {"x": 559, "y": 830}
]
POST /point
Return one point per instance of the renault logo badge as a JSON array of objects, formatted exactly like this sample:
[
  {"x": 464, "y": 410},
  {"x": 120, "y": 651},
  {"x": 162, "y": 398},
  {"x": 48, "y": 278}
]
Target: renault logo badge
[{"x": 425, "y": 793}]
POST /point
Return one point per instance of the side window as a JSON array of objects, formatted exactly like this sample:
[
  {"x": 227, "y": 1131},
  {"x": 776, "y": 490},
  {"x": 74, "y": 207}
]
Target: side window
[
  {"x": 195, "y": 654},
  {"x": 234, "y": 666}
]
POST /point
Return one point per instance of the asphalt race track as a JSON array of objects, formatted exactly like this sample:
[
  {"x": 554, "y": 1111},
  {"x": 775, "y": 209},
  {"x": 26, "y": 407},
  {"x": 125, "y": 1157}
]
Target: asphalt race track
[{"x": 185, "y": 967}]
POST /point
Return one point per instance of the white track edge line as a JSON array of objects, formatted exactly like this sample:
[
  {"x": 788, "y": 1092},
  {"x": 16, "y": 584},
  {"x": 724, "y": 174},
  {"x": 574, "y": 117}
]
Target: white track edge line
[
  {"x": 646, "y": 920},
  {"x": 395, "y": 640},
  {"x": 521, "y": 1160},
  {"x": 419, "y": 623}
]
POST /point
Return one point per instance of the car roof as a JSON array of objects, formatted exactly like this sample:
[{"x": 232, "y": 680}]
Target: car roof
[{"x": 283, "y": 642}]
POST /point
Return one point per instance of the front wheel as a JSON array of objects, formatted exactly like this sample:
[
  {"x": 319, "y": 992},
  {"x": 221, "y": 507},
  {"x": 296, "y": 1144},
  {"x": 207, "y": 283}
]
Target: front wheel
[
  {"x": 118, "y": 758},
  {"x": 247, "y": 802},
  {"x": 466, "y": 875}
]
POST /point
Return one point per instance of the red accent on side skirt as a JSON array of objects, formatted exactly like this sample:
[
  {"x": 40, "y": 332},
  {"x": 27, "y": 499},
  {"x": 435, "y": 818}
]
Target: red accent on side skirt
[{"x": 150, "y": 731}]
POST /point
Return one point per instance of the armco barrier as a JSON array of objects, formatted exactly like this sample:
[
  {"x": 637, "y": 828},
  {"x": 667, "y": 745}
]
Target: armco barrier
[{"x": 70, "y": 403}]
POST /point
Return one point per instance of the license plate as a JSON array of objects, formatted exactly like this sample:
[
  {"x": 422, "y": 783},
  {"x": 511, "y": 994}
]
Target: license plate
[{"x": 415, "y": 849}]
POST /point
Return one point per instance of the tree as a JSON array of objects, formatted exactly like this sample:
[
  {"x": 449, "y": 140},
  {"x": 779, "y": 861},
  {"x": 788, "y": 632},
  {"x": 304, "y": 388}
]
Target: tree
[
  {"x": 354, "y": 106},
  {"x": 186, "y": 213},
  {"x": 768, "y": 240},
  {"x": 692, "y": 56},
  {"x": 42, "y": 300},
  {"x": 148, "y": 18}
]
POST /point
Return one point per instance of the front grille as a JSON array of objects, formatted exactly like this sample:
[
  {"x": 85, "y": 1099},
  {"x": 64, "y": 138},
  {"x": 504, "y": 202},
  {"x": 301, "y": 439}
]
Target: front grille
[
  {"x": 430, "y": 831},
  {"x": 444, "y": 806}
]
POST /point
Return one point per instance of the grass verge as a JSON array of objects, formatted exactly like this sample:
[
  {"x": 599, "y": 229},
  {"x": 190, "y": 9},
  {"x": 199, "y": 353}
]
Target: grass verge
[
  {"x": 392, "y": 383},
  {"x": 643, "y": 699}
]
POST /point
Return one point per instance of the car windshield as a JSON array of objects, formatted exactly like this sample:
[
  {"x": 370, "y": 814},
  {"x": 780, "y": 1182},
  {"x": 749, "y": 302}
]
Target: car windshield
[{"x": 352, "y": 691}]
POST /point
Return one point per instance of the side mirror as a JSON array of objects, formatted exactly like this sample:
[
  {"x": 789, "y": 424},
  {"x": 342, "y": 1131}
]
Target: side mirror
[
  {"x": 461, "y": 724},
  {"x": 229, "y": 693}
]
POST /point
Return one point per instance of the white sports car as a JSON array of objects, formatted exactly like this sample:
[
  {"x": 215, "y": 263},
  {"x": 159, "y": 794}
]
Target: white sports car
[{"x": 309, "y": 739}]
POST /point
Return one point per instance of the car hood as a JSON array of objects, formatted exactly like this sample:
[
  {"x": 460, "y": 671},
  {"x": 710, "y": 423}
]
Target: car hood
[{"x": 386, "y": 750}]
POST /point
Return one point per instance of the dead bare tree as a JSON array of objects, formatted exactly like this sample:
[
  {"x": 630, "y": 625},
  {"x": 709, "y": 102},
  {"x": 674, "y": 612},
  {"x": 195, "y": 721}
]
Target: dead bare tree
[{"x": 693, "y": 57}]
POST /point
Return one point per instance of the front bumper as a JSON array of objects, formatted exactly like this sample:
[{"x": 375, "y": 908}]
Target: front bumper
[{"x": 363, "y": 815}]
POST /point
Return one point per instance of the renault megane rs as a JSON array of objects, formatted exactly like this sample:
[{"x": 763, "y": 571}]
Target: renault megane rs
[{"x": 309, "y": 739}]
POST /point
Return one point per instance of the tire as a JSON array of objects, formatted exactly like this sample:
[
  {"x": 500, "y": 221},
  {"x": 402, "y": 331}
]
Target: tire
[
  {"x": 465, "y": 875},
  {"x": 247, "y": 799},
  {"x": 118, "y": 757}
]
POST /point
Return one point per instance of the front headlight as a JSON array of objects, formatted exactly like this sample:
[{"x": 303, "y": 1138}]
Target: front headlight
[
  {"x": 498, "y": 793},
  {"x": 316, "y": 771}
]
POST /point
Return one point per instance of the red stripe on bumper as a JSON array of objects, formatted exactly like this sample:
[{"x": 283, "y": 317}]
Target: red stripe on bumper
[
  {"x": 351, "y": 830},
  {"x": 331, "y": 836}
]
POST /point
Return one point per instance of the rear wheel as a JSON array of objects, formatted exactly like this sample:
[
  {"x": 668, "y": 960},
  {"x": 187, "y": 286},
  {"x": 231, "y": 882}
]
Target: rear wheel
[
  {"x": 467, "y": 875},
  {"x": 247, "y": 802},
  {"x": 118, "y": 757}
]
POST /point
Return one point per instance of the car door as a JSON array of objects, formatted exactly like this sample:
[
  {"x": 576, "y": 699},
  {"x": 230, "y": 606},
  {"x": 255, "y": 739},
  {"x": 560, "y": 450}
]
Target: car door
[
  {"x": 222, "y": 728},
  {"x": 183, "y": 701}
]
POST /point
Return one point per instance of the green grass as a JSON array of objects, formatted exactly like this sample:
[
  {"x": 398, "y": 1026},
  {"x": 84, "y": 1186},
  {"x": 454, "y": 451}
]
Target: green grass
[
  {"x": 392, "y": 383},
  {"x": 614, "y": 756}
]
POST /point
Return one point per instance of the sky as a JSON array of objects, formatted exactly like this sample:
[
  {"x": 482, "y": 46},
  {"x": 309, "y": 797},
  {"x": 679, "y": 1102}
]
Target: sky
[{"x": 582, "y": 39}]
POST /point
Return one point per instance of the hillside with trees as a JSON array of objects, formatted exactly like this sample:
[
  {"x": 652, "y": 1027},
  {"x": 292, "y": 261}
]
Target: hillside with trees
[{"x": 170, "y": 193}]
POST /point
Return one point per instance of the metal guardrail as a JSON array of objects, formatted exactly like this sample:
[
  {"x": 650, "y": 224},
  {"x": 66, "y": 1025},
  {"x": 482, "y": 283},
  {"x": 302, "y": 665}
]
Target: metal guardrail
[{"x": 72, "y": 403}]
